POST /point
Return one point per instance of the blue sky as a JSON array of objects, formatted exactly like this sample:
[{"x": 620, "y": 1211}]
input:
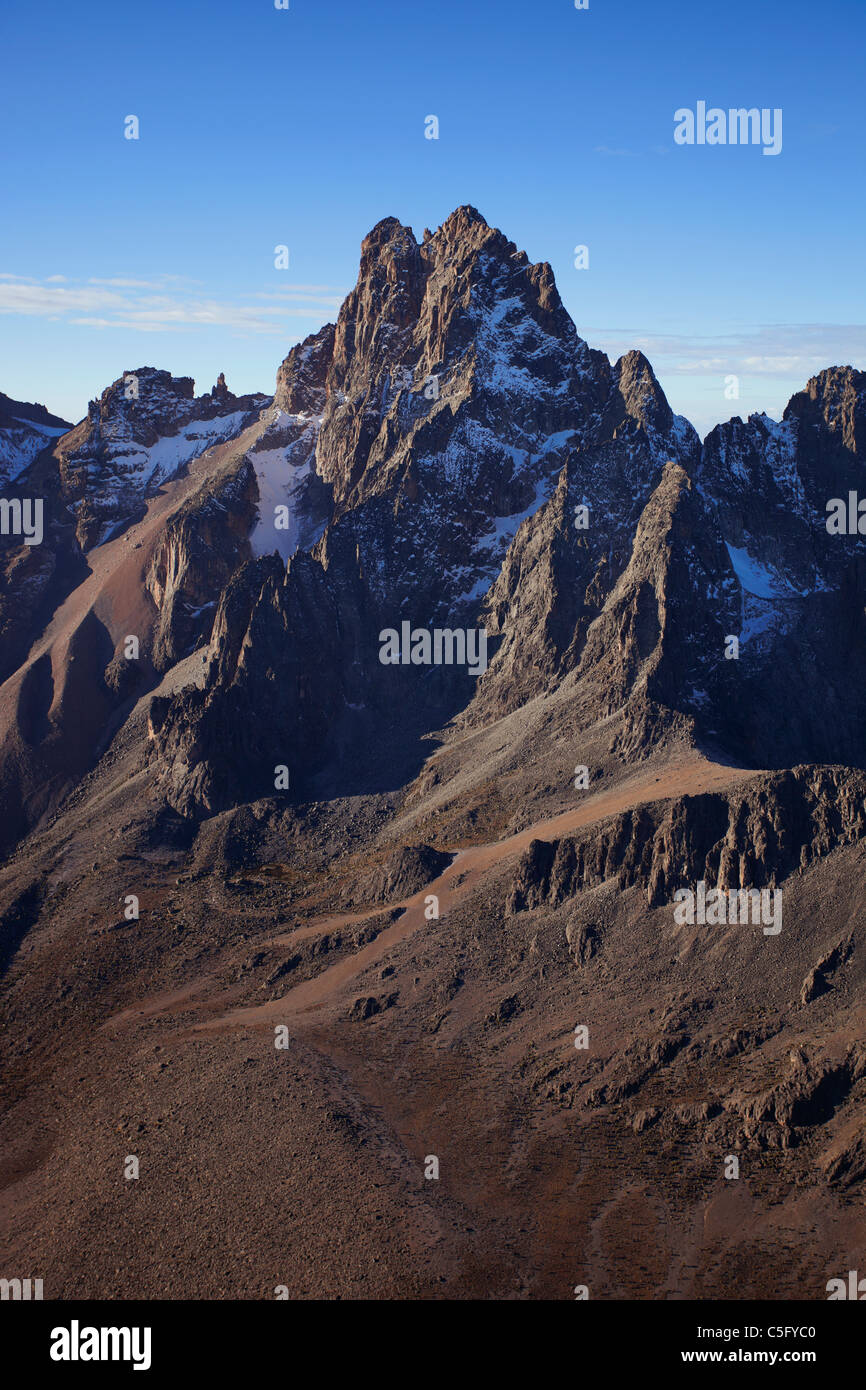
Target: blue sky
[{"x": 304, "y": 127}]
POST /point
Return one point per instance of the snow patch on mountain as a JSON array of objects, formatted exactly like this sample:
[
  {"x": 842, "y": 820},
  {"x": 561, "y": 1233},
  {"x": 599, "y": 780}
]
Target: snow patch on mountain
[
  {"x": 768, "y": 597},
  {"x": 508, "y": 335},
  {"x": 146, "y": 467},
  {"x": 780, "y": 452},
  {"x": 755, "y": 578},
  {"x": 492, "y": 546},
  {"x": 22, "y": 442},
  {"x": 284, "y": 474}
]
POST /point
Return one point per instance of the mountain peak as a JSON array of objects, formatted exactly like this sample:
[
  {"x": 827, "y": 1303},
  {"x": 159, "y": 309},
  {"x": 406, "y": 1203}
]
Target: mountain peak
[
  {"x": 833, "y": 404},
  {"x": 463, "y": 218},
  {"x": 389, "y": 242}
]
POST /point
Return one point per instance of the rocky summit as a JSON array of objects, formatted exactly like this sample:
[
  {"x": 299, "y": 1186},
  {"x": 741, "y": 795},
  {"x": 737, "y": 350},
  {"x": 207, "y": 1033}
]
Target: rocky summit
[{"x": 395, "y": 771}]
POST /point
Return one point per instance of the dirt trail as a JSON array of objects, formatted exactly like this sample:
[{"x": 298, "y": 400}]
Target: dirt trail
[{"x": 685, "y": 776}]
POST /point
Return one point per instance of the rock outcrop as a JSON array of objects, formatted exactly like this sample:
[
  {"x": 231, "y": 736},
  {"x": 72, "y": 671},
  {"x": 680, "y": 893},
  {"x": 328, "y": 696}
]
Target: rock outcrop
[
  {"x": 144, "y": 429},
  {"x": 753, "y": 837}
]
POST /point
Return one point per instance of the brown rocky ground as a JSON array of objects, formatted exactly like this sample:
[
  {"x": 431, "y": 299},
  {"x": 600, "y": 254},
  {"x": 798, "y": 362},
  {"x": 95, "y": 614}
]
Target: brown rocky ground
[{"x": 409, "y": 1037}]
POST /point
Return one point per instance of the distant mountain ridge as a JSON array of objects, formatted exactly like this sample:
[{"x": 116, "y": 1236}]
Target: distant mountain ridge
[{"x": 25, "y": 430}]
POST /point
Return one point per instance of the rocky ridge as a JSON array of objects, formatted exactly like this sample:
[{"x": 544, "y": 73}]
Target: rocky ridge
[{"x": 452, "y": 453}]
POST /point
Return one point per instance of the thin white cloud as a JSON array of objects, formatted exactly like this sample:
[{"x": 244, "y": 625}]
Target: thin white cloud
[
  {"x": 128, "y": 302},
  {"x": 796, "y": 350},
  {"x": 35, "y": 300},
  {"x": 127, "y": 283}
]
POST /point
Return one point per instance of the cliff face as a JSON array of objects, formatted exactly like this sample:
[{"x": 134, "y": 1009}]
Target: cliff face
[
  {"x": 750, "y": 838},
  {"x": 202, "y": 546},
  {"x": 32, "y": 577}
]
